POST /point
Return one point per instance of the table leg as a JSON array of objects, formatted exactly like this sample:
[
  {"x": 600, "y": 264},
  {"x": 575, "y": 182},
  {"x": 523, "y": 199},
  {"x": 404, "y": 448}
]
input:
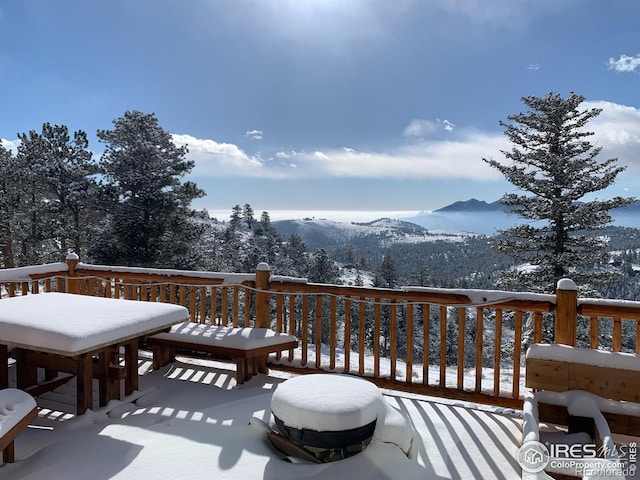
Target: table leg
[
  {"x": 26, "y": 375},
  {"x": 85, "y": 383},
  {"x": 261, "y": 363},
  {"x": 131, "y": 364},
  {"x": 103, "y": 377},
  {"x": 4, "y": 366},
  {"x": 114, "y": 374}
]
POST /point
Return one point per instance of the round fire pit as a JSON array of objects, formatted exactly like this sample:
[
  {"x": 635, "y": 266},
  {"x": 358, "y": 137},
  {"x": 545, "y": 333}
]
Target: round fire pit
[{"x": 331, "y": 416}]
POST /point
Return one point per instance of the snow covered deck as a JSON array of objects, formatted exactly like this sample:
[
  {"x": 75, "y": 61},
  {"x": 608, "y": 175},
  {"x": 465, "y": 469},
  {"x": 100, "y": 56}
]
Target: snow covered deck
[{"x": 190, "y": 420}]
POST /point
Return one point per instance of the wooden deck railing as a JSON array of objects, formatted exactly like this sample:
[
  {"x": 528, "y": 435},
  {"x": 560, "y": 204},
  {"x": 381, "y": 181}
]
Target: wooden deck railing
[{"x": 463, "y": 344}]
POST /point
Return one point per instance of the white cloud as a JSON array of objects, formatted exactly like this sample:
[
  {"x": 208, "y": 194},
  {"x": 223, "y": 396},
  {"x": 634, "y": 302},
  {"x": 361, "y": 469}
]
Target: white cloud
[
  {"x": 11, "y": 145},
  {"x": 439, "y": 159},
  {"x": 424, "y": 128},
  {"x": 420, "y": 128},
  {"x": 533, "y": 66},
  {"x": 254, "y": 134},
  {"x": 625, "y": 63},
  {"x": 447, "y": 125},
  {"x": 217, "y": 159},
  {"x": 290, "y": 154},
  {"x": 617, "y": 130}
]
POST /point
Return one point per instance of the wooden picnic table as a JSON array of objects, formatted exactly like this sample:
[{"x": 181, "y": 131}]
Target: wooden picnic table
[{"x": 81, "y": 335}]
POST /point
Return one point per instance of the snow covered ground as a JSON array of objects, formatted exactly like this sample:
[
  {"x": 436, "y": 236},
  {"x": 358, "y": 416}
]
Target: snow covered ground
[{"x": 190, "y": 420}]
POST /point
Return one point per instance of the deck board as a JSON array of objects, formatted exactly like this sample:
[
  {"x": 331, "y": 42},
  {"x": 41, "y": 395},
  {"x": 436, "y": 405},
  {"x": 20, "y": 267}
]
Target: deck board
[{"x": 452, "y": 441}]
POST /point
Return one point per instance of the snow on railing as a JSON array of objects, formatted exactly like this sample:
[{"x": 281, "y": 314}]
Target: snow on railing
[{"x": 460, "y": 343}]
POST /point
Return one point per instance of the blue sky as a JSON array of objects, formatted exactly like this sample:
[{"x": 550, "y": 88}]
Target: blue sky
[{"x": 325, "y": 104}]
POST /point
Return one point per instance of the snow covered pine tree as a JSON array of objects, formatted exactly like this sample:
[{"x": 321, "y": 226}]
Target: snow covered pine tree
[{"x": 556, "y": 166}]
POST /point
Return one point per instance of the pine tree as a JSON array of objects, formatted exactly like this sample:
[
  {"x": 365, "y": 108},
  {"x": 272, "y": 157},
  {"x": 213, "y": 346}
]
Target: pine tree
[
  {"x": 387, "y": 275},
  {"x": 420, "y": 275},
  {"x": 30, "y": 225},
  {"x": 267, "y": 238},
  {"x": 248, "y": 216},
  {"x": 10, "y": 204},
  {"x": 151, "y": 219},
  {"x": 322, "y": 269},
  {"x": 236, "y": 218},
  {"x": 65, "y": 170},
  {"x": 555, "y": 166},
  {"x": 294, "y": 259}
]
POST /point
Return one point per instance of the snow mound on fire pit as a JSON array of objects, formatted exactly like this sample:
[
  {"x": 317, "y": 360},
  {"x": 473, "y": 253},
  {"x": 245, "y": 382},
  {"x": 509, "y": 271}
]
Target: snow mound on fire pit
[{"x": 327, "y": 402}]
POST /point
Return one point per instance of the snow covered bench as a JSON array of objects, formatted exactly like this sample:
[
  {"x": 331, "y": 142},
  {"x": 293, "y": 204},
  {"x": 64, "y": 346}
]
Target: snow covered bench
[
  {"x": 248, "y": 348},
  {"x": 613, "y": 377},
  {"x": 17, "y": 410},
  {"x": 585, "y": 450},
  {"x": 594, "y": 393}
]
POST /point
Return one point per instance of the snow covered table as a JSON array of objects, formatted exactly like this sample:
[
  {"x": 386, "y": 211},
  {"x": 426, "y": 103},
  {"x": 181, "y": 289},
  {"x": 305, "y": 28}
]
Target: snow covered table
[
  {"x": 327, "y": 411},
  {"x": 248, "y": 348},
  {"x": 66, "y": 332}
]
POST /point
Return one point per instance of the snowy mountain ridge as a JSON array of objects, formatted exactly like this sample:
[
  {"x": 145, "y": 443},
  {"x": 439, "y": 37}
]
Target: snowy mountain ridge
[{"x": 321, "y": 233}]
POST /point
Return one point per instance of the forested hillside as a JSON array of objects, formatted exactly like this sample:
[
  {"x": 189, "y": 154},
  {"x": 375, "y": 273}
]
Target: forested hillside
[{"x": 394, "y": 258}]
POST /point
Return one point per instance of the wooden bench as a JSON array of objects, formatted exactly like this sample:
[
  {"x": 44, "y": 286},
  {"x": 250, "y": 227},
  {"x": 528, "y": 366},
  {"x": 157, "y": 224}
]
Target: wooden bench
[
  {"x": 17, "y": 410},
  {"x": 593, "y": 393},
  {"x": 248, "y": 348},
  {"x": 613, "y": 376}
]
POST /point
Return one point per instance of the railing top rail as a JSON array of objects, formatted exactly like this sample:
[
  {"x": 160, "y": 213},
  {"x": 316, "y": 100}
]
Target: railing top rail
[
  {"x": 466, "y": 298},
  {"x": 477, "y": 296},
  {"x": 25, "y": 274},
  {"x": 160, "y": 274},
  {"x": 605, "y": 307},
  {"x": 540, "y": 302}
]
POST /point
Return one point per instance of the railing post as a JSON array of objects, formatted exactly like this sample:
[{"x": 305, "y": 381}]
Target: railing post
[
  {"x": 263, "y": 274},
  {"x": 72, "y": 284},
  {"x": 566, "y": 312}
]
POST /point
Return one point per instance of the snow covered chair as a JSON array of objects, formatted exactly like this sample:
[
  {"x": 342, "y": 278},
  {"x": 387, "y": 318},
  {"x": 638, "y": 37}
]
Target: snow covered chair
[{"x": 17, "y": 410}]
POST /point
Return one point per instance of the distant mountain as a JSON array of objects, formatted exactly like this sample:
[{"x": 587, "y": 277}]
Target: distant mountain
[
  {"x": 320, "y": 233},
  {"x": 472, "y": 205},
  {"x": 470, "y": 217},
  {"x": 634, "y": 208},
  {"x": 476, "y": 216}
]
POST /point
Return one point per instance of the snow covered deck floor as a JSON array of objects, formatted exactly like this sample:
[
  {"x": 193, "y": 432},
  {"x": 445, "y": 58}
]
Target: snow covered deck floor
[{"x": 189, "y": 421}]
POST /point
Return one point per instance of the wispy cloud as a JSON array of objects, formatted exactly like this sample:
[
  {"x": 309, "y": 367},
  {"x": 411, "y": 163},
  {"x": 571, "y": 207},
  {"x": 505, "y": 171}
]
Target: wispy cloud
[
  {"x": 420, "y": 128},
  {"x": 254, "y": 134},
  {"x": 448, "y": 126},
  {"x": 625, "y": 63},
  {"x": 533, "y": 66},
  {"x": 459, "y": 156},
  {"x": 506, "y": 13},
  {"x": 437, "y": 159},
  {"x": 424, "y": 128},
  {"x": 440, "y": 159}
]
